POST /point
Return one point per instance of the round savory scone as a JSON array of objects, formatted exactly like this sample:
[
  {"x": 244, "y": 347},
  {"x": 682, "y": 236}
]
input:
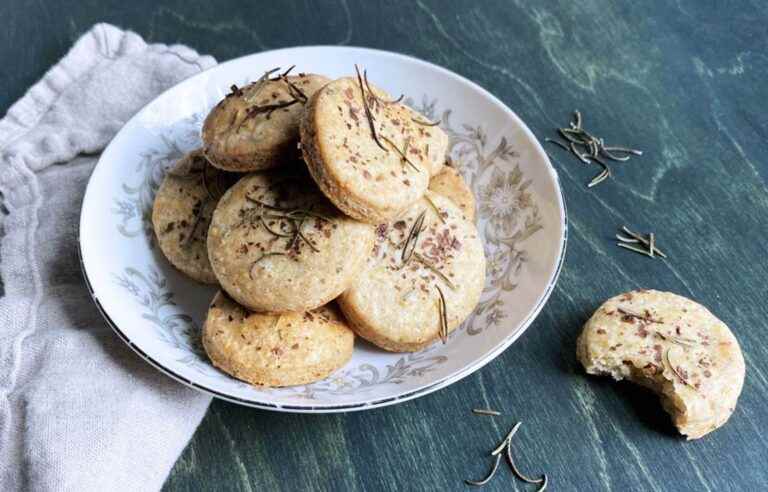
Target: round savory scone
[
  {"x": 371, "y": 156},
  {"x": 182, "y": 211},
  {"x": 257, "y": 126},
  {"x": 278, "y": 245},
  {"x": 423, "y": 278},
  {"x": 451, "y": 185},
  {"x": 276, "y": 349},
  {"x": 673, "y": 346}
]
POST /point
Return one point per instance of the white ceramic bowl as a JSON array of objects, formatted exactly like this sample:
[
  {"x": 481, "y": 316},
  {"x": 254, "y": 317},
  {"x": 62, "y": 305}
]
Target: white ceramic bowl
[{"x": 158, "y": 312}]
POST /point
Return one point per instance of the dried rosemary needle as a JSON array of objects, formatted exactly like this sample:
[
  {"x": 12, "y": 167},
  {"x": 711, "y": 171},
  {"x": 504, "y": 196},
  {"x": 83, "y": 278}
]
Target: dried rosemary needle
[
  {"x": 590, "y": 149},
  {"x": 639, "y": 243}
]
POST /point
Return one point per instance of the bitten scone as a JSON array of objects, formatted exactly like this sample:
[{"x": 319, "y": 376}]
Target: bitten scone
[
  {"x": 182, "y": 211},
  {"x": 451, "y": 185},
  {"x": 278, "y": 245},
  {"x": 673, "y": 346},
  {"x": 257, "y": 126},
  {"x": 276, "y": 350},
  {"x": 427, "y": 268},
  {"x": 372, "y": 157}
]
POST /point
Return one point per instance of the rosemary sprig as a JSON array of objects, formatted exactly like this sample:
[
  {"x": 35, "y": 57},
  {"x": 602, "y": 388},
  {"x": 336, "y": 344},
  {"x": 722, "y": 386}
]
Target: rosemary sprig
[
  {"x": 268, "y": 108},
  {"x": 443, "y": 315},
  {"x": 287, "y": 71},
  {"x": 480, "y": 483},
  {"x": 294, "y": 90},
  {"x": 506, "y": 440},
  {"x": 270, "y": 230},
  {"x": 425, "y": 123},
  {"x": 676, "y": 371},
  {"x": 634, "y": 248},
  {"x": 413, "y": 237},
  {"x": 506, "y": 445},
  {"x": 685, "y": 342},
  {"x": 485, "y": 411},
  {"x": 632, "y": 238},
  {"x": 295, "y": 217},
  {"x": 377, "y": 98},
  {"x": 434, "y": 207},
  {"x": 604, "y": 174},
  {"x": 198, "y": 219},
  {"x": 431, "y": 266},
  {"x": 643, "y": 317},
  {"x": 588, "y": 148},
  {"x": 367, "y": 111},
  {"x": 517, "y": 472},
  {"x": 403, "y": 157}
]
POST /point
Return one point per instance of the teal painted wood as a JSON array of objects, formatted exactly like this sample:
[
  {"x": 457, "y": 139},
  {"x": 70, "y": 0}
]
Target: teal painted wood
[{"x": 684, "y": 81}]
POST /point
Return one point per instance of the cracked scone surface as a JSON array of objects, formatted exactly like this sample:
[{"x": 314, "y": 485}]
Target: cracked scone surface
[
  {"x": 276, "y": 350},
  {"x": 673, "y": 346},
  {"x": 450, "y": 184},
  {"x": 244, "y": 132},
  {"x": 364, "y": 180},
  {"x": 262, "y": 261},
  {"x": 182, "y": 211},
  {"x": 395, "y": 304}
]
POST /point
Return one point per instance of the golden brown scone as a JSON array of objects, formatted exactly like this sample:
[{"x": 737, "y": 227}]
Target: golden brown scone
[
  {"x": 276, "y": 350},
  {"x": 673, "y": 346},
  {"x": 182, "y": 211},
  {"x": 451, "y": 185},
  {"x": 368, "y": 181},
  {"x": 395, "y": 303},
  {"x": 278, "y": 245},
  {"x": 257, "y": 127}
]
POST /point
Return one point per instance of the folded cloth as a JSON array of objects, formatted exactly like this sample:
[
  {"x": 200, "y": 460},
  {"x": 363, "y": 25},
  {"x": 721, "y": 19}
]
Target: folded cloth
[{"x": 78, "y": 410}]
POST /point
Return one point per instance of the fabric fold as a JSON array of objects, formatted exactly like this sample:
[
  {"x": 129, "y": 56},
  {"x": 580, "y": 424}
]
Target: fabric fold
[{"x": 78, "y": 409}]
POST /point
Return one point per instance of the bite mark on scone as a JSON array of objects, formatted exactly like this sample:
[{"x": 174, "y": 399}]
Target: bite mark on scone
[{"x": 673, "y": 346}]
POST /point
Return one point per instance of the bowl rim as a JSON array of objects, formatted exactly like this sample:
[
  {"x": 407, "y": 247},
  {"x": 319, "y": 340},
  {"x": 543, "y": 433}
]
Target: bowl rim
[{"x": 379, "y": 402}]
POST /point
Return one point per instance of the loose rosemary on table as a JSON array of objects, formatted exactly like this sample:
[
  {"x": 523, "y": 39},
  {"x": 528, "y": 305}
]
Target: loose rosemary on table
[
  {"x": 485, "y": 411},
  {"x": 588, "y": 148},
  {"x": 506, "y": 447},
  {"x": 639, "y": 243}
]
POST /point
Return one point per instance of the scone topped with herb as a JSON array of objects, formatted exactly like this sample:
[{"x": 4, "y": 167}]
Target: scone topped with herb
[
  {"x": 673, "y": 346},
  {"x": 423, "y": 278},
  {"x": 276, "y": 349},
  {"x": 371, "y": 155},
  {"x": 257, "y": 126},
  {"x": 182, "y": 211},
  {"x": 278, "y": 245}
]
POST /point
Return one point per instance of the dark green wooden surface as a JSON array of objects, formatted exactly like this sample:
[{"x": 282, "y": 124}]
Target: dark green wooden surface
[{"x": 684, "y": 80}]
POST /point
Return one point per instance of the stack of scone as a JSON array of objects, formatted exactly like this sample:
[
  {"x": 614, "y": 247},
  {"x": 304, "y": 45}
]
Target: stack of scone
[{"x": 309, "y": 191}]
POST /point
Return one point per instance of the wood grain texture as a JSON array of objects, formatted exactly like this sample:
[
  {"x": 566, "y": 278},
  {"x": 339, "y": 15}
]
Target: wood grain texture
[{"x": 684, "y": 81}]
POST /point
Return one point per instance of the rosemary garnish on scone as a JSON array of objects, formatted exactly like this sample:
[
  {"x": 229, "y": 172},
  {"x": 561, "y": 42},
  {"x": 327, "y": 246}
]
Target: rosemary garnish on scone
[{"x": 265, "y": 215}]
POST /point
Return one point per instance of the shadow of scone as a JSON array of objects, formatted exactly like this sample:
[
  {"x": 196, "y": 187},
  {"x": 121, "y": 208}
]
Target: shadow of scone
[
  {"x": 277, "y": 245},
  {"x": 395, "y": 303},
  {"x": 275, "y": 350},
  {"x": 370, "y": 175},
  {"x": 182, "y": 210},
  {"x": 256, "y": 127},
  {"x": 673, "y": 346}
]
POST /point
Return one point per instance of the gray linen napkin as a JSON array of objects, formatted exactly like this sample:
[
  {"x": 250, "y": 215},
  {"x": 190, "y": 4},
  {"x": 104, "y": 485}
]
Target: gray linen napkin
[{"x": 78, "y": 410}]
